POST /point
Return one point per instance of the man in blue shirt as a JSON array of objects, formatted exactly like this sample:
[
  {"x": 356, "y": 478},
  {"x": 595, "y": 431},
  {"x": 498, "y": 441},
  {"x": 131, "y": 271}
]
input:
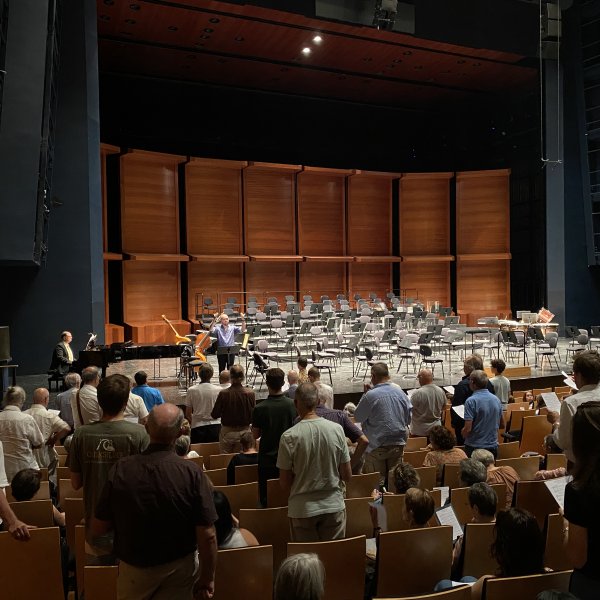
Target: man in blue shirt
[
  {"x": 226, "y": 339},
  {"x": 384, "y": 415},
  {"x": 151, "y": 396},
  {"x": 483, "y": 416}
]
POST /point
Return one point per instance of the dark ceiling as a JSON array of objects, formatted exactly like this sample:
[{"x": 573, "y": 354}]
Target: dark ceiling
[{"x": 256, "y": 48}]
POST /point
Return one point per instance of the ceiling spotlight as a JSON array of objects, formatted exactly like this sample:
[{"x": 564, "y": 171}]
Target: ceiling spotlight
[
  {"x": 317, "y": 39},
  {"x": 306, "y": 51}
]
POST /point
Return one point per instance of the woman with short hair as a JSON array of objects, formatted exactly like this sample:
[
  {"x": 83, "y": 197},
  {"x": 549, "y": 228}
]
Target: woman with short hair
[{"x": 300, "y": 577}]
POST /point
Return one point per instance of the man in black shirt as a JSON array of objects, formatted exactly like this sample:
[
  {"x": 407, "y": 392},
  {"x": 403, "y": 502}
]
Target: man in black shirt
[{"x": 161, "y": 510}]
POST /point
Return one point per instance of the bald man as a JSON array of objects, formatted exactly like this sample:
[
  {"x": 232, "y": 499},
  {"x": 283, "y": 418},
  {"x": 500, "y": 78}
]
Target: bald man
[
  {"x": 428, "y": 402},
  {"x": 53, "y": 428},
  {"x": 161, "y": 509}
]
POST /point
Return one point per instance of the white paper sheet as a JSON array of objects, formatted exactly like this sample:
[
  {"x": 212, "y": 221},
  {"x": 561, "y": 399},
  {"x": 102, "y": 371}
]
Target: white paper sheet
[
  {"x": 557, "y": 488},
  {"x": 449, "y": 389},
  {"x": 571, "y": 383},
  {"x": 54, "y": 411},
  {"x": 551, "y": 400},
  {"x": 445, "y": 493},
  {"x": 447, "y": 516},
  {"x": 459, "y": 410}
]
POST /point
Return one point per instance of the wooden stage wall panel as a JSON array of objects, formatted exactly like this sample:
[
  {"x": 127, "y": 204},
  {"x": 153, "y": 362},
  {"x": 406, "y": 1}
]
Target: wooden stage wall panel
[
  {"x": 270, "y": 212},
  {"x": 482, "y": 212},
  {"x": 483, "y": 286},
  {"x": 318, "y": 278},
  {"x": 430, "y": 279},
  {"x": 370, "y": 277},
  {"x": 321, "y": 215},
  {"x": 425, "y": 214},
  {"x": 212, "y": 278},
  {"x": 214, "y": 209},
  {"x": 263, "y": 277},
  {"x": 149, "y": 203},
  {"x": 150, "y": 289},
  {"x": 369, "y": 216}
]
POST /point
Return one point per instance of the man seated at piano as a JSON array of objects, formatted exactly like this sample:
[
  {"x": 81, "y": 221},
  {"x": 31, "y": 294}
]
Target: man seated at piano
[{"x": 62, "y": 357}]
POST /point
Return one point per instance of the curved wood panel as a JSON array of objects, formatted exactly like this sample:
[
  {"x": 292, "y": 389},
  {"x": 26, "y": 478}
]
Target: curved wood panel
[
  {"x": 213, "y": 195},
  {"x": 149, "y": 203},
  {"x": 211, "y": 279},
  {"x": 321, "y": 213},
  {"x": 425, "y": 214},
  {"x": 431, "y": 280},
  {"x": 318, "y": 278},
  {"x": 264, "y": 277},
  {"x": 270, "y": 211},
  {"x": 369, "y": 216},
  {"x": 483, "y": 286},
  {"x": 364, "y": 278}
]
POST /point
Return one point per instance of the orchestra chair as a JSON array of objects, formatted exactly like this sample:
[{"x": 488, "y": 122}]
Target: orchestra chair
[
  {"x": 217, "y": 476},
  {"x": 459, "y": 498},
  {"x": 361, "y": 486},
  {"x": 415, "y": 443},
  {"x": 426, "y": 559},
  {"x": 344, "y": 562},
  {"x": 100, "y": 583},
  {"x": 270, "y": 526},
  {"x": 526, "y": 587},
  {"x": 478, "y": 538},
  {"x": 358, "y": 517},
  {"x": 535, "y": 497},
  {"x": 462, "y": 592},
  {"x": 242, "y": 495},
  {"x": 533, "y": 432},
  {"x": 65, "y": 490},
  {"x": 74, "y": 515},
  {"x": 415, "y": 458},
  {"x": 276, "y": 497},
  {"x": 450, "y": 476},
  {"x": 32, "y": 569},
  {"x": 555, "y": 461},
  {"x": 34, "y": 512},
  {"x": 42, "y": 494},
  {"x": 526, "y": 466},
  {"x": 246, "y": 473},
  {"x": 219, "y": 461},
  {"x": 206, "y": 449},
  {"x": 508, "y": 450},
  {"x": 555, "y": 557},
  {"x": 244, "y": 573}
]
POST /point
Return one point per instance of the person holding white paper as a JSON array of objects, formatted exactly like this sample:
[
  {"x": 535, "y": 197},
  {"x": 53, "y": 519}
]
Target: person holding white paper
[{"x": 586, "y": 372}]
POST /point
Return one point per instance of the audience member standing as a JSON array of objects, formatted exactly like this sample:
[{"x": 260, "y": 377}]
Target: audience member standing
[
  {"x": 313, "y": 460},
  {"x": 65, "y": 399},
  {"x": 384, "y": 415},
  {"x": 85, "y": 403},
  {"x": 53, "y": 428},
  {"x": 292, "y": 378},
  {"x": 270, "y": 419},
  {"x": 234, "y": 407},
  {"x": 314, "y": 376},
  {"x": 150, "y": 395},
  {"x": 501, "y": 384},
  {"x": 19, "y": 434},
  {"x": 200, "y": 401},
  {"x": 96, "y": 448},
  {"x": 428, "y": 402},
  {"x": 248, "y": 456},
  {"x": 161, "y": 510}
]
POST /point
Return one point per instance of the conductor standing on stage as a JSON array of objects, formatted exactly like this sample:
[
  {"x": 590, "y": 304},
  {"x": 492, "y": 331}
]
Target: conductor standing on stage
[{"x": 226, "y": 339}]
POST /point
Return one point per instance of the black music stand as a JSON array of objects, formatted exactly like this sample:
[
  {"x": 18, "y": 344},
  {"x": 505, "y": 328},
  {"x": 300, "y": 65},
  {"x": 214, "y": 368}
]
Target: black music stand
[{"x": 229, "y": 350}]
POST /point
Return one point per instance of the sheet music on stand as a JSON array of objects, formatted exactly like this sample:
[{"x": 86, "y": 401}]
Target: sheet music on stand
[
  {"x": 557, "y": 488},
  {"x": 551, "y": 401}
]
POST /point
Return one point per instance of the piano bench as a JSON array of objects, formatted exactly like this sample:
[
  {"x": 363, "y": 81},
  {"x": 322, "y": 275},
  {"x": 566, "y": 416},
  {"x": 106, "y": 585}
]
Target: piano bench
[{"x": 57, "y": 378}]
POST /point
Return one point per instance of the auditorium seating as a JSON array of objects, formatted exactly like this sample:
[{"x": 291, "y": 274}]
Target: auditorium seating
[
  {"x": 271, "y": 527},
  {"x": 100, "y": 583},
  {"x": 34, "y": 512},
  {"x": 243, "y": 495},
  {"x": 500, "y": 588}
]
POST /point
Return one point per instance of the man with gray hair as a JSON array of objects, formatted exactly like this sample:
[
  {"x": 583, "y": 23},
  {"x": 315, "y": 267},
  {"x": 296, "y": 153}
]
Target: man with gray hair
[
  {"x": 175, "y": 497},
  {"x": 19, "y": 434},
  {"x": 483, "y": 416},
  {"x": 84, "y": 404},
  {"x": 292, "y": 377},
  {"x": 471, "y": 471},
  {"x": 313, "y": 460},
  {"x": 65, "y": 399}
]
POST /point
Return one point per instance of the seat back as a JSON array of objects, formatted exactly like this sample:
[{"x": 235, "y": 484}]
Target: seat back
[
  {"x": 415, "y": 443},
  {"x": 459, "y": 498},
  {"x": 271, "y": 527},
  {"x": 427, "y": 475},
  {"x": 451, "y": 477},
  {"x": 361, "y": 486},
  {"x": 206, "y": 449},
  {"x": 344, "y": 562},
  {"x": 526, "y": 466},
  {"x": 462, "y": 592},
  {"x": 243, "y": 495},
  {"x": 218, "y": 461},
  {"x": 533, "y": 431},
  {"x": 100, "y": 583},
  {"x": 34, "y": 512},
  {"x": 426, "y": 556},
  {"x": 74, "y": 515},
  {"x": 217, "y": 476},
  {"x": 358, "y": 517},
  {"x": 79, "y": 551},
  {"x": 31, "y": 569},
  {"x": 42, "y": 494},
  {"x": 394, "y": 506},
  {"x": 555, "y": 557},
  {"x": 516, "y": 418},
  {"x": 508, "y": 450},
  {"x": 415, "y": 458},
  {"x": 478, "y": 560},
  {"x": 529, "y": 586},
  {"x": 535, "y": 497},
  {"x": 246, "y": 473},
  {"x": 517, "y": 405},
  {"x": 198, "y": 460},
  {"x": 256, "y": 565},
  {"x": 276, "y": 497},
  {"x": 65, "y": 490},
  {"x": 555, "y": 461}
]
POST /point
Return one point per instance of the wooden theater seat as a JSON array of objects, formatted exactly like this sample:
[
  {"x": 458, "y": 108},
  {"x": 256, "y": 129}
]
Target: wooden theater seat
[
  {"x": 451, "y": 475},
  {"x": 207, "y": 449},
  {"x": 415, "y": 458},
  {"x": 42, "y": 494},
  {"x": 526, "y": 467},
  {"x": 535, "y": 497},
  {"x": 243, "y": 495},
  {"x": 508, "y": 450},
  {"x": 476, "y": 547},
  {"x": 74, "y": 515},
  {"x": 217, "y": 476},
  {"x": 458, "y": 593},
  {"x": 361, "y": 486},
  {"x": 217, "y": 461},
  {"x": 358, "y": 517},
  {"x": 246, "y": 473},
  {"x": 65, "y": 490},
  {"x": 555, "y": 557},
  {"x": 38, "y": 513},
  {"x": 100, "y": 583},
  {"x": 271, "y": 527},
  {"x": 276, "y": 497},
  {"x": 529, "y": 586},
  {"x": 533, "y": 432},
  {"x": 244, "y": 573},
  {"x": 459, "y": 498},
  {"x": 415, "y": 443}
]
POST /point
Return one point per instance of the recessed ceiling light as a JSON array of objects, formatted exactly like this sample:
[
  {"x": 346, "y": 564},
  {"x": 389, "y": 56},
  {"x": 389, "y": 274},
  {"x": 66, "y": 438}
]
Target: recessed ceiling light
[
  {"x": 306, "y": 51},
  {"x": 317, "y": 39}
]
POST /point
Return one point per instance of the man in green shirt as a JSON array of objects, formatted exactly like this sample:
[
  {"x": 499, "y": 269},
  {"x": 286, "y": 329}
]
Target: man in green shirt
[
  {"x": 95, "y": 449},
  {"x": 270, "y": 419}
]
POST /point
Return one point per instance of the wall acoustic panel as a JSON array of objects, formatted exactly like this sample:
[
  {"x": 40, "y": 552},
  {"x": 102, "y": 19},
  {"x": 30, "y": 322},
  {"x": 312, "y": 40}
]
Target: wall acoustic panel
[
  {"x": 270, "y": 278},
  {"x": 149, "y": 202},
  {"x": 322, "y": 278},
  {"x": 213, "y": 195},
  {"x": 428, "y": 281},
  {"x": 483, "y": 287}
]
